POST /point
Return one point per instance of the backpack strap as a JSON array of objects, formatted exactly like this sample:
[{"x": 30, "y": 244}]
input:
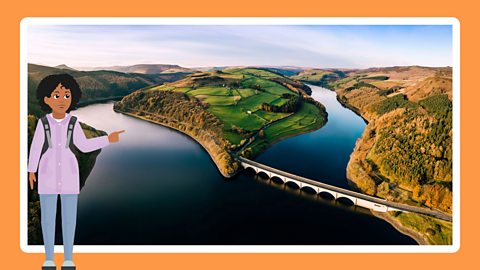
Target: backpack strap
[
  {"x": 47, "y": 143},
  {"x": 71, "y": 125}
]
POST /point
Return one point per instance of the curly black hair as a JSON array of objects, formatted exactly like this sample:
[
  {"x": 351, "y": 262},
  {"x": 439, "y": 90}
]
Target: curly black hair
[{"x": 49, "y": 83}]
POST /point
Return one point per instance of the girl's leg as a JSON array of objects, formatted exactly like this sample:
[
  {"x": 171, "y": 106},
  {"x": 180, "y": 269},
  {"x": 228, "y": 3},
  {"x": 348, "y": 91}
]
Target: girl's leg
[
  {"x": 48, "y": 209},
  {"x": 69, "y": 220}
]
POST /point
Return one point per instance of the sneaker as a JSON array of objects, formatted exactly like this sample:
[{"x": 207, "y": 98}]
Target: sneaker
[
  {"x": 68, "y": 265},
  {"x": 49, "y": 265}
]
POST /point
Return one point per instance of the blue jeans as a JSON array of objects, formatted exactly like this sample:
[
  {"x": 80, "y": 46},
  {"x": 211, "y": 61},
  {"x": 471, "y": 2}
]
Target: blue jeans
[{"x": 48, "y": 208}]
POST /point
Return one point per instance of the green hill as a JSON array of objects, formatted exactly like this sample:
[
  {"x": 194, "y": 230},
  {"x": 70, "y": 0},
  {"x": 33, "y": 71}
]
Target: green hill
[
  {"x": 320, "y": 77},
  {"x": 234, "y": 111},
  {"x": 95, "y": 84},
  {"x": 145, "y": 68}
]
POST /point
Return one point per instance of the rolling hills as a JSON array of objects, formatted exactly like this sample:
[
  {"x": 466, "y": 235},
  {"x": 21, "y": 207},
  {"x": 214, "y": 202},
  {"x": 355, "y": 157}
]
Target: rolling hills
[
  {"x": 235, "y": 111},
  {"x": 96, "y": 85},
  {"x": 144, "y": 69}
]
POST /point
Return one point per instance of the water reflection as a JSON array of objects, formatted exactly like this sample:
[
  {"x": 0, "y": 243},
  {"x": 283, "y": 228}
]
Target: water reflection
[
  {"x": 322, "y": 197},
  {"x": 323, "y": 154},
  {"x": 159, "y": 187}
]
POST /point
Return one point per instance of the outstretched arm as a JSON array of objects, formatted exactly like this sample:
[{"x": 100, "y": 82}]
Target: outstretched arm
[{"x": 87, "y": 145}]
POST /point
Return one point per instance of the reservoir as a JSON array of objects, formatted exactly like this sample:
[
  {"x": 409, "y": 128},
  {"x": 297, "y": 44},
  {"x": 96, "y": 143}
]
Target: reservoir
[{"x": 159, "y": 187}]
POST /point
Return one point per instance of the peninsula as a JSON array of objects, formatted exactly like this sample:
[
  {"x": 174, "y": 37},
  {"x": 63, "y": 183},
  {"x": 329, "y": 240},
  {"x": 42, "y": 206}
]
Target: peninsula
[{"x": 235, "y": 111}]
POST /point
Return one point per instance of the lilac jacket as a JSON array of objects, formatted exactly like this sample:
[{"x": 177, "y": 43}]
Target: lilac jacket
[{"x": 58, "y": 167}]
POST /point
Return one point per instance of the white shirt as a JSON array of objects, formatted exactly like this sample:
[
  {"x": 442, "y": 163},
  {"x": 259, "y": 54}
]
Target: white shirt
[{"x": 58, "y": 120}]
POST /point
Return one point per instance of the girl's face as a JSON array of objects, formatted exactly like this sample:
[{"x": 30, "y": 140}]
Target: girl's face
[{"x": 59, "y": 100}]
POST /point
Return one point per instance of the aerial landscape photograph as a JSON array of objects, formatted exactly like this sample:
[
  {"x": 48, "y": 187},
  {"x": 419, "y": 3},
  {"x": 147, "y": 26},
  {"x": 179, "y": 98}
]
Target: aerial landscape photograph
[{"x": 251, "y": 134}]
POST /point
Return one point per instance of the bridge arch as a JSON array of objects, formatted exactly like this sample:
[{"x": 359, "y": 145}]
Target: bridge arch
[
  {"x": 263, "y": 173},
  {"x": 327, "y": 194},
  {"x": 309, "y": 189},
  {"x": 250, "y": 169},
  {"x": 277, "y": 179},
  {"x": 293, "y": 184},
  {"x": 347, "y": 200},
  {"x": 247, "y": 166},
  {"x": 335, "y": 193},
  {"x": 297, "y": 183}
]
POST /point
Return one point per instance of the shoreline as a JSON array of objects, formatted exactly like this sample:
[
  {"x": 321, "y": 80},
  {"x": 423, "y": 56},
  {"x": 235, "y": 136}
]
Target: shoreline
[
  {"x": 415, "y": 235},
  {"x": 351, "y": 108},
  {"x": 396, "y": 224},
  {"x": 98, "y": 101},
  {"x": 227, "y": 151},
  {"x": 287, "y": 136},
  {"x": 383, "y": 216},
  {"x": 399, "y": 227},
  {"x": 190, "y": 136},
  {"x": 290, "y": 136},
  {"x": 206, "y": 149}
]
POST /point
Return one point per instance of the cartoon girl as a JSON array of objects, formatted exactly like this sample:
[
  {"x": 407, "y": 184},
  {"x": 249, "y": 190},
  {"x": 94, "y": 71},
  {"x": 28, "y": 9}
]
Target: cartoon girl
[{"x": 58, "y": 172}]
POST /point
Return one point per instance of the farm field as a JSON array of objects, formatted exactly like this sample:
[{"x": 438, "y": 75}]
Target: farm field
[{"x": 236, "y": 95}]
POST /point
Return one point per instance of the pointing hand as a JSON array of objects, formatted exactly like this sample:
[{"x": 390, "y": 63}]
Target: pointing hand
[{"x": 113, "y": 137}]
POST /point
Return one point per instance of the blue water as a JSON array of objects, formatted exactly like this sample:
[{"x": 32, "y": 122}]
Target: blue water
[
  {"x": 323, "y": 154},
  {"x": 158, "y": 186}
]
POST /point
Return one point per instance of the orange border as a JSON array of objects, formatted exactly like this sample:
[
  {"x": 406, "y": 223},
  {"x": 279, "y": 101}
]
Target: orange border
[{"x": 13, "y": 257}]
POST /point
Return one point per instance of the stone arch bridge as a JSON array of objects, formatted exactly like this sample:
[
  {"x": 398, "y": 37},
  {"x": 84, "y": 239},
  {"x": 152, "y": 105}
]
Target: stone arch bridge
[{"x": 358, "y": 199}]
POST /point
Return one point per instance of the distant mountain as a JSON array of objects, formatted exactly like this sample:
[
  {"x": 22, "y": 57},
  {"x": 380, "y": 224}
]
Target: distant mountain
[
  {"x": 283, "y": 70},
  {"x": 168, "y": 68},
  {"x": 144, "y": 68},
  {"x": 63, "y": 66},
  {"x": 98, "y": 84},
  {"x": 212, "y": 68}
]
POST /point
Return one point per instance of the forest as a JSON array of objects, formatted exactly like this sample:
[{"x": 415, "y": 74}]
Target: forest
[
  {"x": 186, "y": 114},
  {"x": 405, "y": 153},
  {"x": 291, "y": 105}
]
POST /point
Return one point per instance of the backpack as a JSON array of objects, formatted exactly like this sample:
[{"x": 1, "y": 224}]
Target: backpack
[{"x": 47, "y": 143}]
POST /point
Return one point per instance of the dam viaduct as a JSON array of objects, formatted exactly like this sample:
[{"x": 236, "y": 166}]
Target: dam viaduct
[{"x": 358, "y": 199}]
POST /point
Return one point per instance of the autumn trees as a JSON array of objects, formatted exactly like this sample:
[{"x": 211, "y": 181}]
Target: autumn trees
[{"x": 186, "y": 114}]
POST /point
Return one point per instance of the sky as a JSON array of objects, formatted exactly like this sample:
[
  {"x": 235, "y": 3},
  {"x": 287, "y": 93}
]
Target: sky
[{"x": 322, "y": 46}]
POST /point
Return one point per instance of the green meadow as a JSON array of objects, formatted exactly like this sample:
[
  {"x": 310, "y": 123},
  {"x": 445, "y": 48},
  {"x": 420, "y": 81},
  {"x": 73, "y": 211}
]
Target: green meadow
[
  {"x": 236, "y": 101},
  {"x": 304, "y": 120}
]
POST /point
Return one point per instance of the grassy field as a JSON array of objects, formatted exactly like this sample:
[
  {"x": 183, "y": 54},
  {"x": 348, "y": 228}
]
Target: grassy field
[
  {"x": 218, "y": 100},
  {"x": 233, "y": 137},
  {"x": 212, "y": 91},
  {"x": 270, "y": 116},
  {"x": 279, "y": 101},
  {"x": 265, "y": 85},
  {"x": 238, "y": 116},
  {"x": 306, "y": 119},
  {"x": 181, "y": 89},
  {"x": 253, "y": 71},
  {"x": 436, "y": 231},
  {"x": 246, "y": 92},
  {"x": 252, "y": 103},
  {"x": 237, "y": 98}
]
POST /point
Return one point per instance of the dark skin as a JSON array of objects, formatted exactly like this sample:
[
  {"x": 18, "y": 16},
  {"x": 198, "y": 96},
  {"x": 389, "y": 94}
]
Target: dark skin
[{"x": 59, "y": 101}]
